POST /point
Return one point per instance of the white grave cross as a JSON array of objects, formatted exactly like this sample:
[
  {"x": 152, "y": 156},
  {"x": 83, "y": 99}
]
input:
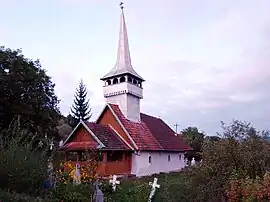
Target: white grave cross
[
  {"x": 153, "y": 185},
  {"x": 193, "y": 162},
  {"x": 114, "y": 182},
  {"x": 51, "y": 146}
]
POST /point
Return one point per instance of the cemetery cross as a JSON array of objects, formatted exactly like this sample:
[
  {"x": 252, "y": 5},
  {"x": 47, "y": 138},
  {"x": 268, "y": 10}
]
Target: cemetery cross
[
  {"x": 153, "y": 185},
  {"x": 114, "y": 182}
]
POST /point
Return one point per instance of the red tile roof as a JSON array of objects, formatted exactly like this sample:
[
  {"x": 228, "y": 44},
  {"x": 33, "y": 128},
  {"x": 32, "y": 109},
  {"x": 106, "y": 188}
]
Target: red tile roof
[
  {"x": 104, "y": 133},
  {"x": 107, "y": 136},
  {"x": 152, "y": 133}
]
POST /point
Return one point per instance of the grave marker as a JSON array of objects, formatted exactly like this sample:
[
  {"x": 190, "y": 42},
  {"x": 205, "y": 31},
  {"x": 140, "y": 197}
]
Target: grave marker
[
  {"x": 114, "y": 182},
  {"x": 193, "y": 162},
  {"x": 77, "y": 175},
  {"x": 153, "y": 185},
  {"x": 98, "y": 195}
]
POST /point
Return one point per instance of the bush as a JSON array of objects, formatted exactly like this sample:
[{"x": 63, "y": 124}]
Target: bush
[
  {"x": 12, "y": 196},
  {"x": 22, "y": 168},
  {"x": 69, "y": 192}
]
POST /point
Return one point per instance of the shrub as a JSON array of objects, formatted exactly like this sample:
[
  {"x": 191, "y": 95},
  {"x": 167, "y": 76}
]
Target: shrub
[
  {"x": 69, "y": 192},
  {"x": 22, "y": 168},
  {"x": 12, "y": 196}
]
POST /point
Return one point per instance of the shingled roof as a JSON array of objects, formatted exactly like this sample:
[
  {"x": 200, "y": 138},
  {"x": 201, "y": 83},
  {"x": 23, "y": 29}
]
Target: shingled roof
[
  {"x": 152, "y": 133},
  {"x": 105, "y": 138}
]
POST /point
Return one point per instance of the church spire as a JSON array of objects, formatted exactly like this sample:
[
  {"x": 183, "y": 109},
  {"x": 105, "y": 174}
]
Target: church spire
[{"x": 123, "y": 63}]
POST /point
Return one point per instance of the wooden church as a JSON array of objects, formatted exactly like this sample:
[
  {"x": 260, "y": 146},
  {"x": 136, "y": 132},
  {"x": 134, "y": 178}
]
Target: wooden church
[{"x": 131, "y": 142}]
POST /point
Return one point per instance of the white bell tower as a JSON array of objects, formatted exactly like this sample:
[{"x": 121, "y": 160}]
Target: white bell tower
[{"x": 123, "y": 86}]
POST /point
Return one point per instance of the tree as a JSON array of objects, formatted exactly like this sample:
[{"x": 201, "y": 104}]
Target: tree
[
  {"x": 26, "y": 92},
  {"x": 241, "y": 153},
  {"x": 80, "y": 109},
  {"x": 194, "y": 139},
  {"x": 64, "y": 129}
]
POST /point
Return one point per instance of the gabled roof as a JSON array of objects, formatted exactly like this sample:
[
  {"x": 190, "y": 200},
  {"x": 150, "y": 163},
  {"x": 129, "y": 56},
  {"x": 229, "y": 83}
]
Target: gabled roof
[
  {"x": 104, "y": 138},
  {"x": 164, "y": 134},
  {"x": 107, "y": 136},
  {"x": 151, "y": 133}
]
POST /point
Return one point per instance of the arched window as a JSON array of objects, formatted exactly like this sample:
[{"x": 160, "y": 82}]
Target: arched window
[
  {"x": 115, "y": 80},
  {"x": 134, "y": 81},
  {"x": 169, "y": 158},
  {"x": 139, "y": 84},
  {"x": 150, "y": 159},
  {"x": 180, "y": 157},
  {"x": 108, "y": 82},
  {"x": 122, "y": 79},
  {"x": 129, "y": 79}
]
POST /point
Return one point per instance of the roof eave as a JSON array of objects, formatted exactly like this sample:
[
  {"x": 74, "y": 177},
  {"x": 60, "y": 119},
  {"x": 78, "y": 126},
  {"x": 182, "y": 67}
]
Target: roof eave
[{"x": 121, "y": 74}]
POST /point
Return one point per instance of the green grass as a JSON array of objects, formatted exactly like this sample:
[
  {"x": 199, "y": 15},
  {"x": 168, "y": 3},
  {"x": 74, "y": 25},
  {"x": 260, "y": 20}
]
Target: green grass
[
  {"x": 138, "y": 189},
  {"x": 130, "y": 190}
]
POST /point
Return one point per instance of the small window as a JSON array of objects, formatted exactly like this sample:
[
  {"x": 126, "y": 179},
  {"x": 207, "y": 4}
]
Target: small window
[
  {"x": 129, "y": 79},
  {"x": 139, "y": 84},
  {"x": 115, "y": 80},
  {"x": 122, "y": 79},
  {"x": 108, "y": 82},
  {"x": 134, "y": 82},
  {"x": 180, "y": 157},
  {"x": 169, "y": 158},
  {"x": 150, "y": 159}
]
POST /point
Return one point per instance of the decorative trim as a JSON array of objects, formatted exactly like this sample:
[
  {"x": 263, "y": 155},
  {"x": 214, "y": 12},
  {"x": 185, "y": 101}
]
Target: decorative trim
[
  {"x": 101, "y": 145},
  {"x": 71, "y": 134},
  {"x": 121, "y": 137},
  {"x": 93, "y": 135},
  {"x": 100, "y": 114},
  {"x": 122, "y": 126}
]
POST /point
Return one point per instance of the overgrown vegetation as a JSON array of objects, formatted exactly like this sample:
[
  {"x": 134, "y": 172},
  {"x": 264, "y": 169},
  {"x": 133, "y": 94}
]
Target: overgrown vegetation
[{"x": 234, "y": 168}]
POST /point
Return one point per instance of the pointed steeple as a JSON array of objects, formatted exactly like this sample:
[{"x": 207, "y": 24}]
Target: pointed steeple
[{"x": 123, "y": 63}]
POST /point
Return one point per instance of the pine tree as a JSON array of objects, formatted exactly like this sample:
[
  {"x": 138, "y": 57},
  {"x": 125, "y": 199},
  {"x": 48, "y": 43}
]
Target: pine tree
[{"x": 81, "y": 110}]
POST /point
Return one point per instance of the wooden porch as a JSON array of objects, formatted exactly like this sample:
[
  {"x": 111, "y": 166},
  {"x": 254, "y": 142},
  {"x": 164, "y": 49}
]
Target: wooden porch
[{"x": 112, "y": 162}]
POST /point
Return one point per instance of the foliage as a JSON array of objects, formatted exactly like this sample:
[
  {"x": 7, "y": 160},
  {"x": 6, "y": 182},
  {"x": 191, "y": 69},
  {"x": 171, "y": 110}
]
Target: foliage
[
  {"x": 241, "y": 151},
  {"x": 69, "y": 192},
  {"x": 26, "y": 91},
  {"x": 194, "y": 139},
  {"x": 249, "y": 189},
  {"x": 13, "y": 196},
  {"x": 63, "y": 127},
  {"x": 80, "y": 109},
  {"x": 23, "y": 167}
]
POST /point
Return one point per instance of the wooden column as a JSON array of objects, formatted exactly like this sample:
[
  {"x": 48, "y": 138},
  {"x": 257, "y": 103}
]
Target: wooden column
[
  {"x": 104, "y": 157},
  {"x": 65, "y": 156}
]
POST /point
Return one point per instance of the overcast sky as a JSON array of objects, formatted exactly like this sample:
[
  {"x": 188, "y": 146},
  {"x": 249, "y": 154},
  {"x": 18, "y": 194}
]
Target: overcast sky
[{"x": 204, "y": 61}]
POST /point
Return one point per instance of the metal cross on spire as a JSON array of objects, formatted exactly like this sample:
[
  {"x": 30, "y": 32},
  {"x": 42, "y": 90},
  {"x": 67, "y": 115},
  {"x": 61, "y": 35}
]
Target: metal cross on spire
[
  {"x": 176, "y": 126},
  {"x": 121, "y": 5}
]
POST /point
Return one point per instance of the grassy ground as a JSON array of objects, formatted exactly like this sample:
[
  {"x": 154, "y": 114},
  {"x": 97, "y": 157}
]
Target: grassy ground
[
  {"x": 138, "y": 189},
  {"x": 129, "y": 190}
]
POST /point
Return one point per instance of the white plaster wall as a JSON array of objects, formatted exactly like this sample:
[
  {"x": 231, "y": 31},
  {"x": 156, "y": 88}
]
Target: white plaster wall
[
  {"x": 129, "y": 103},
  {"x": 121, "y": 88},
  {"x": 140, "y": 165}
]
